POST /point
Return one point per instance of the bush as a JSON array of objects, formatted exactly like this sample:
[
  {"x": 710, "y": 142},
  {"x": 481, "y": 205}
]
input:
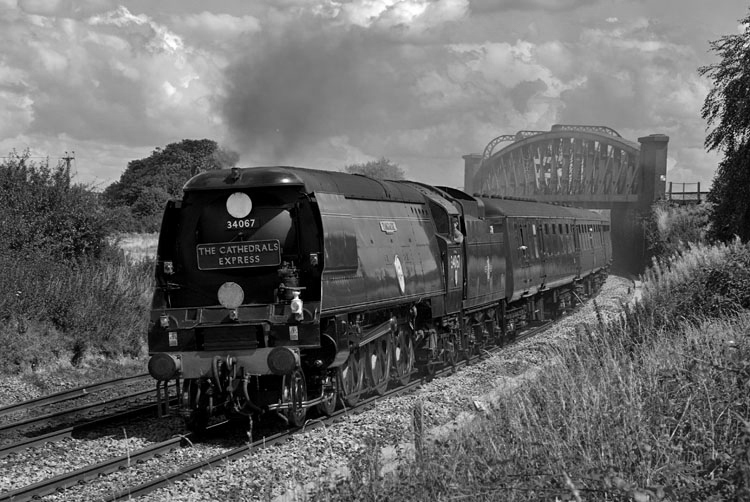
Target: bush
[
  {"x": 672, "y": 227},
  {"x": 43, "y": 214}
]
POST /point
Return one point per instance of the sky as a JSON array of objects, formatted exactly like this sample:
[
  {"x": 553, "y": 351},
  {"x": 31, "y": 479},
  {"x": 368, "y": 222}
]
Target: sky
[{"x": 329, "y": 83}]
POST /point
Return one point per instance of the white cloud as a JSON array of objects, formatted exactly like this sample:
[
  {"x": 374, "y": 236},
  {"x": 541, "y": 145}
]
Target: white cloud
[
  {"x": 220, "y": 25},
  {"x": 415, "y": 16},
  {"x": 342, "y": 81},
  {"x": 158, "y": 37}
]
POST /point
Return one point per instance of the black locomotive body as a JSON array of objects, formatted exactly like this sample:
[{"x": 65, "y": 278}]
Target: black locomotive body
[{"x": 280, "y": 289}]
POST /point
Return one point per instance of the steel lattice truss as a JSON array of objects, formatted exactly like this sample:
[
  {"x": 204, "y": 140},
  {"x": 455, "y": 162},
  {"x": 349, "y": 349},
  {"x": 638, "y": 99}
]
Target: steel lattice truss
[{"x": 567, "y": 164}]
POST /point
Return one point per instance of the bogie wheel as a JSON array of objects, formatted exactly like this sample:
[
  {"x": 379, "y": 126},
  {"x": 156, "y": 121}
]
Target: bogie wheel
[
  {"x": 295, "y": 393},
  {"x": 379, "y": 364},
  {"x": 403, "y": 356},
  {"x": 330, "y": 395},
  {"x": 351, "y": 377}
]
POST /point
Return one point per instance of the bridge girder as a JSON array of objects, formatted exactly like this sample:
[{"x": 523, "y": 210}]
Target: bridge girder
[{"x": 576, "y": 165}]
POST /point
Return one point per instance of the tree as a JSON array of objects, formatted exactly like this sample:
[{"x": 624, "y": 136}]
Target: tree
[
  {"x": 727, "y": 105},
  {"x": 147, "y": 183},
  {"x": 382, "y": 169}
]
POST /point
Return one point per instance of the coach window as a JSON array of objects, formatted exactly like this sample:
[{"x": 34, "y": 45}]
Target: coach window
[
  {"x": 554, "y": 240},
  {"x": 572, "y": 239},
  {"x": 587, "y": 236}
]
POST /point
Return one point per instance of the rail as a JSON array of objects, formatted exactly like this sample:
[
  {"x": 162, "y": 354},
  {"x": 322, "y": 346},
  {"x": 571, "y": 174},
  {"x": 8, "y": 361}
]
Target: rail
[{"x": 67, "y": 395}]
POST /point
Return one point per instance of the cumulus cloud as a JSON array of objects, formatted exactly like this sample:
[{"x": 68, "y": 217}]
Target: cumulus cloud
[
  {"x": 113, "y": 76},
  {"x": 327, "y": 82},
  {"x": 412, "y": 15}
]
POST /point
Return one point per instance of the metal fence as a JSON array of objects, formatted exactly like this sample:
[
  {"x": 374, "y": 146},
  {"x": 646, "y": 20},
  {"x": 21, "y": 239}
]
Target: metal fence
[{"x": 685, "y": 193}]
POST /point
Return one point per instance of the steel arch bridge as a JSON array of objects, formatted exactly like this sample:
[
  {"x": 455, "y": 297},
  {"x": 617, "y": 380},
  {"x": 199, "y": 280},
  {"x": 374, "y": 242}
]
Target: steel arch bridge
[{"x": 583, "y": 166}]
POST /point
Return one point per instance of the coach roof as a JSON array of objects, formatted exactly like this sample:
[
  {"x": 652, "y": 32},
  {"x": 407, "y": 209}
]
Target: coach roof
[{"x": 511, "y": 207}]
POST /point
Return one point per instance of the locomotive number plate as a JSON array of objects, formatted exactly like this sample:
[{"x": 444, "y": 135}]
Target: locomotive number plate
[
  {"x": 223, "y": 255},
  {"x": 242, "y": 223}
]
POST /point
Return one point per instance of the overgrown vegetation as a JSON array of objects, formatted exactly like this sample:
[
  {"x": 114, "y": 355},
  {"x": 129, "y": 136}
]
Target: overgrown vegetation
[{"x": 65, "y": 293}]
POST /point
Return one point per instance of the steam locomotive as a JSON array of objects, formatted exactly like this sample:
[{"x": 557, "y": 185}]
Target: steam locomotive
[{"x": 281, "y": 289}]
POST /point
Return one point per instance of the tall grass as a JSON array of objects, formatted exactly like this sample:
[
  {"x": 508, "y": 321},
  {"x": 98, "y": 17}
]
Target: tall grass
[
  {"x": 651, "y": 406},
  {"x": 69, "y": 310},
  {"x": 664, "y": 421},
  {"x": 699, "y": 279}
]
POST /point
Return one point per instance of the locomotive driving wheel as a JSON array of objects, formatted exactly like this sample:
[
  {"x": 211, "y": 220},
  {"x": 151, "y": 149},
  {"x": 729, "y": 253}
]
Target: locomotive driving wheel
[
  {"x": 351, "y": 377},
  {"x": 379, "y": 364},
  {"x": 330, "y": 394},
  {"x": 403, "y": 356},
  {"x": 295, "y": 393}
]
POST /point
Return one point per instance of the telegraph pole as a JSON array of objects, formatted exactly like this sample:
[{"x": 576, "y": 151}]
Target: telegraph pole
[{"x": 67, "y": 159}]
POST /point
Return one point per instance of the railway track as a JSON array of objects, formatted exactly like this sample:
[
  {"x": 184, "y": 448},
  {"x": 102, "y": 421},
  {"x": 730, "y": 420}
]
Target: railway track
[
  {"x": 87, "y": 408},
  {"x": 40, "y": 434},
  {"x": 93, "y": 471},
  {"x": 66, "y": 432},
  {"x": 78, "y": 392},
  {"x": 264, "y": 441}
]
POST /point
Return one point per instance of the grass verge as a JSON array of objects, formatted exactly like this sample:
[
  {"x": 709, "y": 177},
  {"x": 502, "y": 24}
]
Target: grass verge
[{"x": 652, "y": 406}]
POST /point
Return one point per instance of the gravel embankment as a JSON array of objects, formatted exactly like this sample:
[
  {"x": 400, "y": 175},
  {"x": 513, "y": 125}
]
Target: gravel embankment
[{"x": 311, "y": 461}]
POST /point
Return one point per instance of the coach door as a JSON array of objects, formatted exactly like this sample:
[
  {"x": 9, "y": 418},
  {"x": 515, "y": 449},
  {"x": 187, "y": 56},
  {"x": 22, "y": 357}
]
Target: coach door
[{"x": 523, "y": 239}]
